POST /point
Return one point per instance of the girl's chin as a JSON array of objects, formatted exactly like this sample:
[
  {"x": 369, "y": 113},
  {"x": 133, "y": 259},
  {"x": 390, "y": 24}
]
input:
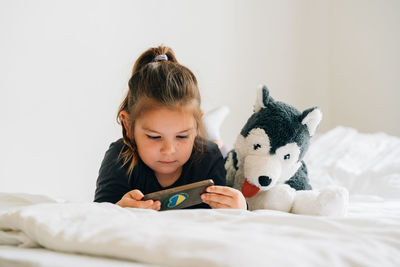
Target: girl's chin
[{"x": 167, "y": 168}]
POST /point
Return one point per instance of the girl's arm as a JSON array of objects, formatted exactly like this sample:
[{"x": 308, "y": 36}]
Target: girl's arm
[
  {"x": 112, "y": 182},
  {"x": 219, "y": 195}
]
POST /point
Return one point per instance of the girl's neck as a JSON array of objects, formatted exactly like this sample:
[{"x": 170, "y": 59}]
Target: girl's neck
[{"x": 166, "y": 180}]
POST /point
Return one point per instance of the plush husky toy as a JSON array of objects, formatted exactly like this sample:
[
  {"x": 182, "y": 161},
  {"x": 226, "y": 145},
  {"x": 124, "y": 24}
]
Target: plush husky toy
[{"x": 266, "y": 162}]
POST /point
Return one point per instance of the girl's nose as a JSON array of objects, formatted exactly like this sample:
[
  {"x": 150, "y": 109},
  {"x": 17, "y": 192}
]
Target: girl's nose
[{"x": 168, "y": 147}]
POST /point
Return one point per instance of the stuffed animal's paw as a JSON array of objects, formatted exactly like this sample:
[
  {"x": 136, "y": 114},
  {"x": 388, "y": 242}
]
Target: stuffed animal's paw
[
  {"x": 330, "y": 201},
  {"x": 333, "y": 201},
  {"x": 280, "y": 197}
]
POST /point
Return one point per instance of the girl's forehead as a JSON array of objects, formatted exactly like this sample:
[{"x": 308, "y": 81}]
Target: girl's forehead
[{"x": 165, "y": 118}]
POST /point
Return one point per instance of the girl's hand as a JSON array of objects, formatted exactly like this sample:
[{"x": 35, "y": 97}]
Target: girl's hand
[
  {"x": 224, "y": 197},
  {"x": 132, "y": 199}
]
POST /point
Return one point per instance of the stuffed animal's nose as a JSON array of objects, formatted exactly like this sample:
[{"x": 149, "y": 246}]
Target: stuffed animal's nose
[{"x": 264, "y": 180}]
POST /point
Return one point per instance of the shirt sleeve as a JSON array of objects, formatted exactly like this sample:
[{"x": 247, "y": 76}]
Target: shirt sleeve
[
  {"x": 217, "y": 171},
  {"x": 112, "y": 182}
]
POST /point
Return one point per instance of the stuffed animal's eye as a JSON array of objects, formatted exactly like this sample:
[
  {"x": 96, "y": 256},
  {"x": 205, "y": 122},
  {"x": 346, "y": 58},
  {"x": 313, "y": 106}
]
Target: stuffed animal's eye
[
  {"x": 287, "y": 156},
  {"x": 256, "y": 146}
]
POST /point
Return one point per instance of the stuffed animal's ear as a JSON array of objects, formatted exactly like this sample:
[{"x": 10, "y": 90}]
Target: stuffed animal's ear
[
  {"x": 263, "y": 98},
  {"x": 311, "y": 118}
]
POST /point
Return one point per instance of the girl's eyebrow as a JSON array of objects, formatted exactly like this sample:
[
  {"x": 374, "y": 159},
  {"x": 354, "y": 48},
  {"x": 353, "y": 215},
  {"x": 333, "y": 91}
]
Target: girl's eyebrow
[{"x": 153, "y": 131}]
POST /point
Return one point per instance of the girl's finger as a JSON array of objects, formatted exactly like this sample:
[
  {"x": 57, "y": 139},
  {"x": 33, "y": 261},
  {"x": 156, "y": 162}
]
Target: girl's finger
[
  {"x": 156, "y": 205},
  {"x": 217, "y": 205},
  {"x": 222, "y": 199},
  {"x": 148, "y": 204},
  {"x": 126, "y": 202},
  {"x": 135, "y": 194},
  {"x": 222, "y": 190},
  {"x": 144, "y": 204}
]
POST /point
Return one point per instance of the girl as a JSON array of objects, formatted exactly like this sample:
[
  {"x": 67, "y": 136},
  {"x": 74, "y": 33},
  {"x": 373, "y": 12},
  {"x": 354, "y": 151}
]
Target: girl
[{"x": 163, "y": 144}]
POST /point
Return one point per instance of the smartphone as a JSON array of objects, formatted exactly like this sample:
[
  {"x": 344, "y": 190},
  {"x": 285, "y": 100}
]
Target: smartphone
[{"x": 181, "y": 196}]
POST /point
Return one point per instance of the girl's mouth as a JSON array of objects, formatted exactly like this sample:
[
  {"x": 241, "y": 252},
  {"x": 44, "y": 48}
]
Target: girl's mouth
[{"x": 167, "y": 162}]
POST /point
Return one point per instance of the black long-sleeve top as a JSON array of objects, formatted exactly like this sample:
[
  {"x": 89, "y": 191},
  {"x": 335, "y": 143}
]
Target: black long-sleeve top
[{"x": 114, "y": 181}]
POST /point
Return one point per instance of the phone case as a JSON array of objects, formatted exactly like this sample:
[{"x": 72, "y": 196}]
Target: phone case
[{"x": 181, "y": 196}]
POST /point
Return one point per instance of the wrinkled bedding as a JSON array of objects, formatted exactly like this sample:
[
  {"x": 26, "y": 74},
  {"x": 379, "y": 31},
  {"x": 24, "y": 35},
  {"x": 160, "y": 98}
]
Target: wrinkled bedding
[{"x": 368, "y": 165}]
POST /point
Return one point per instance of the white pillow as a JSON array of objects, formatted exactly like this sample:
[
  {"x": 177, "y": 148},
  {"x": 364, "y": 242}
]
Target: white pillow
[{"x": 366, "y": 164}]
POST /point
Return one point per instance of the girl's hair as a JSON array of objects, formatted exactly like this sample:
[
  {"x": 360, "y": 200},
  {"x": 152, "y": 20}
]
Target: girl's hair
[{"x": 159, "y": 81}]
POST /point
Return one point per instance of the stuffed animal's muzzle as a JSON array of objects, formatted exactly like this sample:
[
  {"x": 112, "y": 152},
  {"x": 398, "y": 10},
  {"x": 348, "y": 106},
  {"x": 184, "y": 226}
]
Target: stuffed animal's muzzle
[{"x": 261, "y": 172}]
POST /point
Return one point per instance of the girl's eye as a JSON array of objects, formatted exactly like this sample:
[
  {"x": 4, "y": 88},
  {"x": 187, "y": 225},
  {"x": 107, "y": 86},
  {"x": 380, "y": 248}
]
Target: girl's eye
[
  {"x": 153, "y": 137},
  {"x": 182, "y": 136}
]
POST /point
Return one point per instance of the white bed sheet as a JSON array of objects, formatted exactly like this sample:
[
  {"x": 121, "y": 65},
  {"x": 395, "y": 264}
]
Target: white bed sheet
[
  {"x": 368, "y": 236},
  {"x": 11, "y": 256},
  {"x": 368, "y": 165}
]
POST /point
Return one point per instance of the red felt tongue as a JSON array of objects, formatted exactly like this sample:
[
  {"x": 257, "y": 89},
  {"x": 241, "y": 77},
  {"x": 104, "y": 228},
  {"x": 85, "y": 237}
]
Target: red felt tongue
[{"x": 249, "y": 190}]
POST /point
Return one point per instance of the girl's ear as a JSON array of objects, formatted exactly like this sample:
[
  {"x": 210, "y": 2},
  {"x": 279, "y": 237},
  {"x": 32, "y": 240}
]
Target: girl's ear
[
  {"x": 124, "y": 116},
  {"x": 201, "y": 113}
]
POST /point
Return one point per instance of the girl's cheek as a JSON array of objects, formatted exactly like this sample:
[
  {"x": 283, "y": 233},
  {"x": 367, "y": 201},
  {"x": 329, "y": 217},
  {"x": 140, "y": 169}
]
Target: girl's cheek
[
  {"x": 147, "y": 144},
  {"x": 151, "y": 145}
]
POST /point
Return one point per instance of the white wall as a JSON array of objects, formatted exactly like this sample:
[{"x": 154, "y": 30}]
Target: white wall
[
  {"x": 365, "y": 75},
  {"x": 64, "y": 67}
]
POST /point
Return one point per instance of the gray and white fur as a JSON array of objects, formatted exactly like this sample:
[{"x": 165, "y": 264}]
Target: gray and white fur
[{"x": 267, "y": 164}]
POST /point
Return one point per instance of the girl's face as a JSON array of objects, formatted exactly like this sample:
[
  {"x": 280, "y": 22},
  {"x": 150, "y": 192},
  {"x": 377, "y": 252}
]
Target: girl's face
[{"x": 164, "y": 139}]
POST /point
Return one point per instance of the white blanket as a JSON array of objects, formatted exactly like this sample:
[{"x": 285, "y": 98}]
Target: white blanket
[{"x": 368, "y": 236}]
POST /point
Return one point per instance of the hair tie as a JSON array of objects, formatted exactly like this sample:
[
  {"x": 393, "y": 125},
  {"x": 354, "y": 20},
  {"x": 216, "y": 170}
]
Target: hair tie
[{"x": 161, "y": 58}]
